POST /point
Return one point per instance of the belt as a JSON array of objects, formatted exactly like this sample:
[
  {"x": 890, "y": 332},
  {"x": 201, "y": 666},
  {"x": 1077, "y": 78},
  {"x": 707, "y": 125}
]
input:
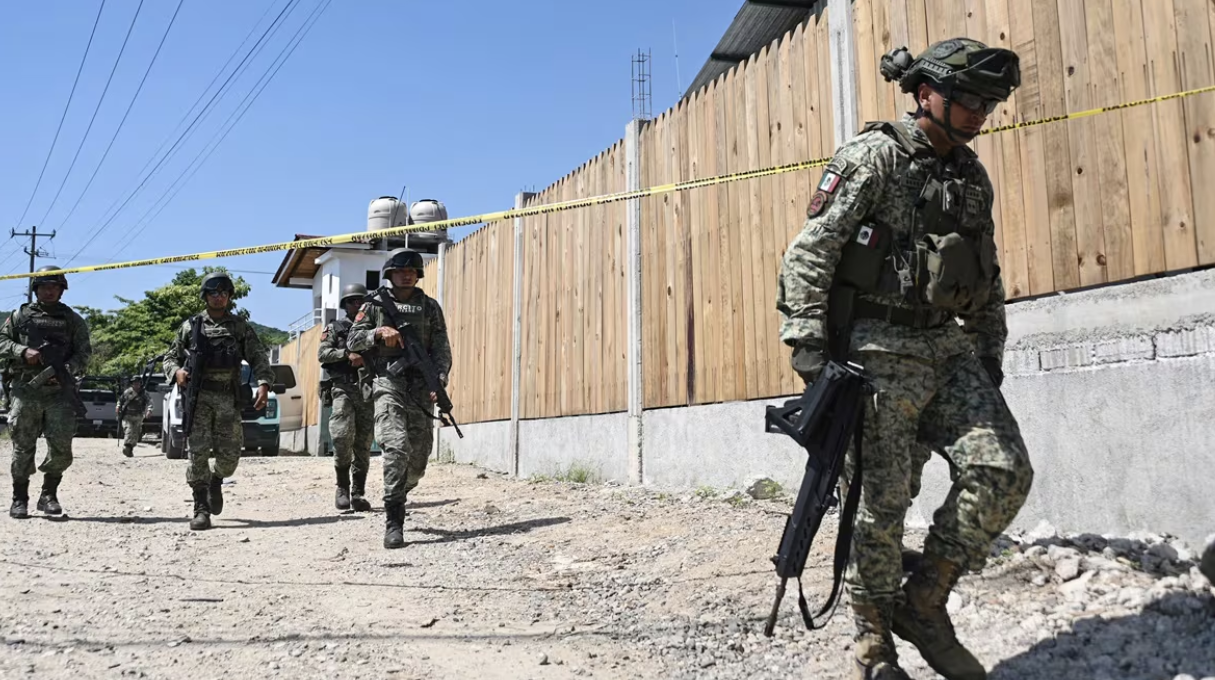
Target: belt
[{"x": 922, "y": 318}]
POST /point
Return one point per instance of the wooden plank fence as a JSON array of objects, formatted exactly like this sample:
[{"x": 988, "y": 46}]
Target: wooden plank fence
[{"x": 1091, "y": 201}]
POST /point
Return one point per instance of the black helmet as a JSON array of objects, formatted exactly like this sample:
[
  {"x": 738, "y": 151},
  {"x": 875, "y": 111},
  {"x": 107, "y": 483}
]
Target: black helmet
[
  {"x": 217, "y": 281},
  {"x": 403, "y": 258},
  {"x": 352, "y": 290},
  {"x": 956, "y": 65},
  {"x": 48, "y": 278}
]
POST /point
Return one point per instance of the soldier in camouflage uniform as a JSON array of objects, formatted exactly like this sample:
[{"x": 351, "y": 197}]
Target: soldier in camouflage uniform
[
  {"x": 898, "y": 248},
  {"x": 132, "y": 408},
  {"x": 352, "y": 420},
  {"x": 218, "y": 433},
  {"x": 45, "y": 409},
  {"x": 403, "y": 406}
]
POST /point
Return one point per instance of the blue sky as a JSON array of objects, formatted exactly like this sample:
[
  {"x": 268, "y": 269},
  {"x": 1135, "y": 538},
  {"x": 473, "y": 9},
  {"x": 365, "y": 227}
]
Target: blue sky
[{"x": 466, "y": 102}]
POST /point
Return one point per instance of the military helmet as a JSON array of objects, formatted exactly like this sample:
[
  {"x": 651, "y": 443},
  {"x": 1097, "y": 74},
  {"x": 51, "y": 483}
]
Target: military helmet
[
  {"x": 41, "y": 278},
  {"x": 217, "y": 281},
  {"x": 352, "y": 290},
  {"x": 954, "y": 66},
  {"x": 403, "y": 258}
]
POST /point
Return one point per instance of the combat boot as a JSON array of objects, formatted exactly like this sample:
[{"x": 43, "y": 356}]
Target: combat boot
[
  {"x": 875, "y": 656},
  {"x": 215, "y": 494},
  {"x": 48, "y": 502},
  {"x": 394, "y": 536},
  {"x": 128, "y": 451},
  {"x": 357, "y": 501},
  {"x": 923, "y": 621},
  {"x": 202, "y": 508},
  {"x": 20, "y": 508},
  {"x": 341, "y": 498}
]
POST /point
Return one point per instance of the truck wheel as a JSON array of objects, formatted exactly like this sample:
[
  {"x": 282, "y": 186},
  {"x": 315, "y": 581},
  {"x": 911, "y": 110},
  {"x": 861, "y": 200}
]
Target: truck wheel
[{"x": 176, "y": 449}]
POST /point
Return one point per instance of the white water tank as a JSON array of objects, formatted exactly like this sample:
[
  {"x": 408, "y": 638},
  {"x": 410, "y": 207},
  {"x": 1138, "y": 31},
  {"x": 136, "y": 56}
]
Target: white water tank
[
  {"x": 427, "y": 210},
  {"x": 386, "y": 212}
]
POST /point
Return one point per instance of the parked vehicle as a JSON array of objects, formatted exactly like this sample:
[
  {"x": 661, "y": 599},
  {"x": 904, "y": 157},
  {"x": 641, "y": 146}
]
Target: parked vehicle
[
  {"x": 261, "y": 428},
  {"x": 100, "y": 397}
]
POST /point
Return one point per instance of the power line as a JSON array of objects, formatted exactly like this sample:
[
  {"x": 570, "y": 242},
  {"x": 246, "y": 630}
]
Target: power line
[
  {"x": 124, "y": 116},
  {"x": 100, "y": 101},
  {"x": 238, "y": 113},
  {"x": 64, "y": 116},
  {"x": 207, "y": 107}
]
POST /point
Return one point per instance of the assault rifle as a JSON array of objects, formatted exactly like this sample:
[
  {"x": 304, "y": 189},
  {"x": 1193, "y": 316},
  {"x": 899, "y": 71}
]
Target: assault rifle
[
  {"x": 193, "y": 368},
  {"x": 54, "y": 358},
  {"x": 416, "y": 357},
  {"x": 829, "y": 412}
]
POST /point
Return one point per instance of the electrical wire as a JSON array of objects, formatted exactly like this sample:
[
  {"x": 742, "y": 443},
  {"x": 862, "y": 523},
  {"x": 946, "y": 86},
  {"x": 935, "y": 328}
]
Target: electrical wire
[
  {"x": 238, "y": 114},
  {"x": 97, "y": 231},
  {"x": 54, "y": 141},
  {"x": 124, "y": 117}
]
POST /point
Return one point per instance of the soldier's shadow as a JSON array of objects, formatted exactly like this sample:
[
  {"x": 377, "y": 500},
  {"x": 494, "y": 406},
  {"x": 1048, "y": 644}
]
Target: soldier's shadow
[
  {"x": 1171, "y": 636},
  {"x": 447, "y": 535},
  {"x": 227, "y": 522}
]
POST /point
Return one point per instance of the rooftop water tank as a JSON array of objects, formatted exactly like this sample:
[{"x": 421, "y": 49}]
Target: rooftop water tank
[
  {"x": 427, "y": 210},
  {"x": 386, "y": 212}
]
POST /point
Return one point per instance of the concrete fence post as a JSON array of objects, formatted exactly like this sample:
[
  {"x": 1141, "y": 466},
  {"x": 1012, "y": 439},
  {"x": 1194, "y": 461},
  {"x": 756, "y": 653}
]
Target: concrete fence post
[
  {"x": 516, "y": 370},
  {"x": 844, "y": 94},
  {"x": 439, "y": 285},
  {"x": 632, "y": 153}
]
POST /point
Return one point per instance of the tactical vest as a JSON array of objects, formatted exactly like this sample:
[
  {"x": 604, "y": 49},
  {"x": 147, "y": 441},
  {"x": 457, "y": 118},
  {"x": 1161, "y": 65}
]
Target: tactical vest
[
  {"x": 135, "y": 404},
  {"x": 943, "y": 262},
  {"x": 221, "y": 351},
  {"x": 342, "y": 371},
  {"x": 412, "y": 312},
  {"x": 54, "y": 328}
]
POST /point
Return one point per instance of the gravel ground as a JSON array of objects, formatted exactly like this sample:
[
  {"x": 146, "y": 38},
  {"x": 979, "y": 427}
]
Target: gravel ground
[{"x": 507, "y": 578}]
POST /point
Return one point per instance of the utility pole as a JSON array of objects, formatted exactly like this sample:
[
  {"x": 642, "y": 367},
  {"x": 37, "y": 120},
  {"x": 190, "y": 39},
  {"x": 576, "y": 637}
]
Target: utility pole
[{"x": 33, "y": 252}]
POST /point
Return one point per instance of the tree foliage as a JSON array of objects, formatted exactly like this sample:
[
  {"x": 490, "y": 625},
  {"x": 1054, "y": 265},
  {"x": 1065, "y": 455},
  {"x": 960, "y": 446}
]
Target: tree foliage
[{"x": 125, "y": 338}]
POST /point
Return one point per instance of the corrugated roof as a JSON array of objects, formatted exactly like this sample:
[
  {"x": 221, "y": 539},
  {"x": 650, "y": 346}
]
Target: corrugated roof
[{"x": 757, "y": 24}]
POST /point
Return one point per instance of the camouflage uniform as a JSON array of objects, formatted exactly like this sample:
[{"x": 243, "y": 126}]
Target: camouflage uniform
[
  {"x": 352, "y": 419},
  {"x": 132, "y": 407},
  {"x": 218, "y": 432},
  {"x": 934, "y": 387},
  {"x": 403, "y": 421},
  {"x": 42, "y": 410}
]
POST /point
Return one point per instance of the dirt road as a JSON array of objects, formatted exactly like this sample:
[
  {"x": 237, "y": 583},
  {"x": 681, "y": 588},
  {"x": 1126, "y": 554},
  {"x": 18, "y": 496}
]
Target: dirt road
[{"x": 505, "y": 578}]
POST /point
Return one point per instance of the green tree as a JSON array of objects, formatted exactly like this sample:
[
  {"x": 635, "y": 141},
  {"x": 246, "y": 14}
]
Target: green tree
[{"x": 127, "y": 337}]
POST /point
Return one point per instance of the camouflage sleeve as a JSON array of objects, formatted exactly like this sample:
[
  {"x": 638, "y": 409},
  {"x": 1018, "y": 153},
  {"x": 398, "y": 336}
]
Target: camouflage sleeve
[
  {"x": 988, "y": 326},
  {"x": 123, "y": 399},
  {"x": 82, "y": 346},
  {"x": 255, "y": 354},
  {"x": 440, "y": 346},
  {"x": 362, "y": 333},
  {"x": 176, "y": 356},
  {"x": 9, "y": 345},
  {"x": 327, "y": 351},
  {"x": 852, "y": 185}
]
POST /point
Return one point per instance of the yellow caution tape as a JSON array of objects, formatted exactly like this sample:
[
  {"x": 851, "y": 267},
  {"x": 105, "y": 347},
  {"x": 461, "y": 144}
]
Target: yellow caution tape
[{"x": 367, "y": 236}]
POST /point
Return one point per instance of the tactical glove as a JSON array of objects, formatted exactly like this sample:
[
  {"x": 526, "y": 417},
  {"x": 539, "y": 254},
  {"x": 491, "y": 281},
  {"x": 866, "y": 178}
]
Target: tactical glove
[
  {"x": 992, "y": 365},
  {"x": 808, "y": 360}
]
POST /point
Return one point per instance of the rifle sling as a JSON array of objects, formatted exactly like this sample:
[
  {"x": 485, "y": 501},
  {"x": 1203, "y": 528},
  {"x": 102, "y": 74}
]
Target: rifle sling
[{"x": 843, "y": 539}]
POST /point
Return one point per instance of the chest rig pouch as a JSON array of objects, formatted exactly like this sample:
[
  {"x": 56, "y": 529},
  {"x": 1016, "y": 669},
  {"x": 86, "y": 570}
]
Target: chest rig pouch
[
  {"x": 955, "y": 262},
  {"x": 221, "y": 355}
]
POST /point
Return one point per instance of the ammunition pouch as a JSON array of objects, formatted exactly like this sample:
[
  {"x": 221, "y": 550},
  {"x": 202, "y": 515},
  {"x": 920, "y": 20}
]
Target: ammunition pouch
[
  {"x": 957, "y": 278},
  {"x": 865, "y": 262}
]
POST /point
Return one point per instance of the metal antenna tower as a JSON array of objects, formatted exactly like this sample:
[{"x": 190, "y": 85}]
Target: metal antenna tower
[{"x": 642, "y": 93}]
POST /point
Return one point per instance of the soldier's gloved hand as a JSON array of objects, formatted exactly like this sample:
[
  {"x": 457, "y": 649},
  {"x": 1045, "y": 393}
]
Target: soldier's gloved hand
[
  {"x": 355, "y": 359},
  {"x": 443, "y": 379},
  {"x": 993, "y": 368},
  {"x": 808, "y": 359}
]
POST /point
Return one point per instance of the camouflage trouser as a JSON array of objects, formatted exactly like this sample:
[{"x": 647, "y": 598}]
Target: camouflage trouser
[
  {"x": 41, "y": 411},
  {"x": 404, "y": 432},
  {"x": 132, "y": 429},
  {"x": 950, "y": 406},
  {"x": 351, "y": 426},
  {"x": 218, "y": 434}
]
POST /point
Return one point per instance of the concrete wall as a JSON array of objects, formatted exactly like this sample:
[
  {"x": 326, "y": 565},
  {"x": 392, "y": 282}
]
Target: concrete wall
[
  {"x": 305, "y": 440},
  {"x": 1114, "y": 389}
]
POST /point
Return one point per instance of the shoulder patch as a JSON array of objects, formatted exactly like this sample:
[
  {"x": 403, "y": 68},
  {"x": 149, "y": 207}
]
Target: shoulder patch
[{"x": 818, "y": 204}]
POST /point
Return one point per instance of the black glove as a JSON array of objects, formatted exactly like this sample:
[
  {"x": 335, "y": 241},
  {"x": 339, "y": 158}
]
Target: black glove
[
  {"x": 808, "y": 360},
  {"x": 992, "y": 365}
]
